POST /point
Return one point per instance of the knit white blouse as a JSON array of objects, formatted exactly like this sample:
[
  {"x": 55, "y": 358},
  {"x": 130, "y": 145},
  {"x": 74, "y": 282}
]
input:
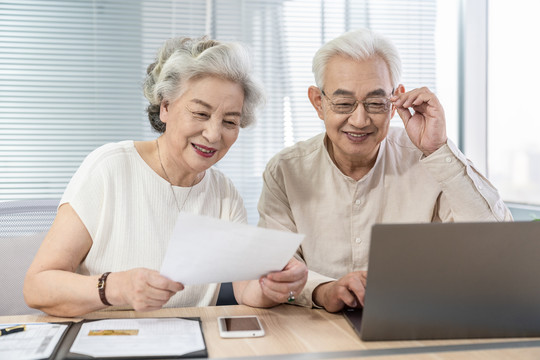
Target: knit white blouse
[{"x": 130, "y": 213}]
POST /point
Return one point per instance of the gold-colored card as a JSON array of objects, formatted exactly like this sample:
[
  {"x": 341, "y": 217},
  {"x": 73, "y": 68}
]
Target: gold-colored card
[{"x": 113, "y": 332}]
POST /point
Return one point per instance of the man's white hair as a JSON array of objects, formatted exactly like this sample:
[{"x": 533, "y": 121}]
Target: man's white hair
[{"x": 359, "y": 45}]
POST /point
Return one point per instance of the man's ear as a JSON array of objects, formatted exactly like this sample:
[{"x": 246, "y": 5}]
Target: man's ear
[
  {"x": 315, "y": 97},
  {"x": 164, "y": 111},
  {"x": 399, "y": 90}
]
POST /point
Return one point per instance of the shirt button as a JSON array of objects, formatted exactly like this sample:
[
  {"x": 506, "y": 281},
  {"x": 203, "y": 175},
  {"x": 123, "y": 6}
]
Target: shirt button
[
  {"x": 357, "y": 202},
  {"x": 448, "y": 159},
  {"x": 358, "y": 240}
]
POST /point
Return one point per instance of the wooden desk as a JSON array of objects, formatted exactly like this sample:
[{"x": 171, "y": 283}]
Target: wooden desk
[{"x": 298, "y": 333}]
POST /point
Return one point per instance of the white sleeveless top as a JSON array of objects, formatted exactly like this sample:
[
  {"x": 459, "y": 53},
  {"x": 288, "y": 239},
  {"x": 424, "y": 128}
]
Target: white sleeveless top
[{"x": 130, "y": 213}]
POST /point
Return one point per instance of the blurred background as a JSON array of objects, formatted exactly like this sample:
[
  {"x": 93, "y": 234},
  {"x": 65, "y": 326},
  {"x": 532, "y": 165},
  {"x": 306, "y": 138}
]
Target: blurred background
[{"x": 71, "y": 76}]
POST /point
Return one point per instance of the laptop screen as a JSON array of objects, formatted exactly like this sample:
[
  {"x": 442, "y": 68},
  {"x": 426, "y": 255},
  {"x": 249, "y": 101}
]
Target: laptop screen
[{"x": 452, "y": 280}]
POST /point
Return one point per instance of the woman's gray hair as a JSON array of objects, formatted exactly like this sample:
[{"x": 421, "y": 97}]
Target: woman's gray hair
[
  {"x": 181, "y": 59},
  {"x": 359, "y": 45}
]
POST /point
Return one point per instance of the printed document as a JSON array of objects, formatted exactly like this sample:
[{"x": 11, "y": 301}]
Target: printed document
[
  {"x": 38, "y": 341},
  {"x": 138, "y": 337},
  {"x": 205, "y": 250}
]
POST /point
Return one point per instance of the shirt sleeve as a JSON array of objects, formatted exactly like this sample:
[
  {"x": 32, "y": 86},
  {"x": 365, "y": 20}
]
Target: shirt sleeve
[
  {"x": 274, "y": 209},
  {"x": 275, "y": 213},
  {"x": 238, "y": 210},
  {"x": 466, "y": 194},
  {"x": 86, "y": 192},
  {"x": 305, "y": 298}
]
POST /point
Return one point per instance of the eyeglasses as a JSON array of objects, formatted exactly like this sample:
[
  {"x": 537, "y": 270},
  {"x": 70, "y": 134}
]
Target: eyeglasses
[{"x": 347, "y": 105}]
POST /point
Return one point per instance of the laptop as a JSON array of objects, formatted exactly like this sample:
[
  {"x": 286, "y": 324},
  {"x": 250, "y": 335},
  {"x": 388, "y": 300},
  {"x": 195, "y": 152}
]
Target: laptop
[{"x": 451, "y": 281}]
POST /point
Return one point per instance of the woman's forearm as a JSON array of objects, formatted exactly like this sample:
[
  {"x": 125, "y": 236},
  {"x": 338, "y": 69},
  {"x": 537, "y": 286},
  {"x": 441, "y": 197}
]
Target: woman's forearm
[{"x": 62, "y": 293}]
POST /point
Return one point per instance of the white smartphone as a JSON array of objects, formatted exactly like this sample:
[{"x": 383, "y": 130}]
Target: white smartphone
[{"x": 240, "y": 326}]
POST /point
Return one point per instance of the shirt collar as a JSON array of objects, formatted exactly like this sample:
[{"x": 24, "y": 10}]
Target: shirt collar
[{"x": 382, "y": 149}]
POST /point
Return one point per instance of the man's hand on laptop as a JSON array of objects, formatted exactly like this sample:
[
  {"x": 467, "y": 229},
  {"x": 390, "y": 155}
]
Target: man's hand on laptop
[{"x": 347, "y": 291}]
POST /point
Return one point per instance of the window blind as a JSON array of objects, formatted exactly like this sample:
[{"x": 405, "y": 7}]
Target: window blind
[
  {"x": 67, "y": 85},
  {"x": 71, "y": 74}
]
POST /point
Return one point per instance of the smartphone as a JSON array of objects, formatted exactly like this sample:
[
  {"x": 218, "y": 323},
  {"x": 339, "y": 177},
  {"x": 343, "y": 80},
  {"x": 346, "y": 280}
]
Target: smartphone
[{"x": 240, "y": 326}]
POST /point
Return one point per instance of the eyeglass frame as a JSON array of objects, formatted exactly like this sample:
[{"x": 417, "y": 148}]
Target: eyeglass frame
[{"x": 364, "y": 103}]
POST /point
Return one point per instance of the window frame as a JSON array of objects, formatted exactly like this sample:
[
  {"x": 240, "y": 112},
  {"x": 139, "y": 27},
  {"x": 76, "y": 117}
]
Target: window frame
[
  {"x": 472, "y": 86},
  {"x": 473, "y": 94}
]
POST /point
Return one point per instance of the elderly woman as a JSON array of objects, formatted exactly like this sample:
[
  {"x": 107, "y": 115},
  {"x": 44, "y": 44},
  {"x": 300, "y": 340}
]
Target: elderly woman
[{"x": 119, "y": 209}]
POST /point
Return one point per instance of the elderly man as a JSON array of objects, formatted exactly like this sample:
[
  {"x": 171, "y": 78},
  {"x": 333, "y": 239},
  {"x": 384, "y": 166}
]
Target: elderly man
[{"x": 360, "y": 171}]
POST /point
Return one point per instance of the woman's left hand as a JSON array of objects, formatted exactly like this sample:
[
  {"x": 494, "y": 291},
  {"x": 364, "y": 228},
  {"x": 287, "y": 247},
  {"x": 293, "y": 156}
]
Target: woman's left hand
[{"x": 279, "y": 286}]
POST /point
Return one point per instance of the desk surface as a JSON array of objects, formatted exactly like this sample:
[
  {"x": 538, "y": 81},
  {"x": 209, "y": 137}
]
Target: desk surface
[{"x": 293, "y": 332}]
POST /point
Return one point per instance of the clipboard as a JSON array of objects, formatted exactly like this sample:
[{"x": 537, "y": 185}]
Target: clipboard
[{"x": 64, "y": 352}]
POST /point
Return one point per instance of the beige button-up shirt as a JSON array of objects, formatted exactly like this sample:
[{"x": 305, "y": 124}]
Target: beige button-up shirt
[{"x": 304, "y": 192}]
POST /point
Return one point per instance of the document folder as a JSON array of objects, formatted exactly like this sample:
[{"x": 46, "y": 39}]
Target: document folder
[
  {"x": 65, "y": 353},
  {"x": 39, "y": 341}
]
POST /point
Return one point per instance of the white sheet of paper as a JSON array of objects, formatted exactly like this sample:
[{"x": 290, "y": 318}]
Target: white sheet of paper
[
  {"x": 156, "y": 337},
  {"x": 37, "y": 342},
  {"x": 205, "y": 250}
]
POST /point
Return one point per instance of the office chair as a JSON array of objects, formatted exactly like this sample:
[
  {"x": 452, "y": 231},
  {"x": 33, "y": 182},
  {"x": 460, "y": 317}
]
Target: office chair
[{"x": 23, "y": 225}]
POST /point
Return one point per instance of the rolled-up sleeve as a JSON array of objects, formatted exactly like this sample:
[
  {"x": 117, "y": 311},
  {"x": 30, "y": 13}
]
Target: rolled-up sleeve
[{"x": 467, "y": 195}]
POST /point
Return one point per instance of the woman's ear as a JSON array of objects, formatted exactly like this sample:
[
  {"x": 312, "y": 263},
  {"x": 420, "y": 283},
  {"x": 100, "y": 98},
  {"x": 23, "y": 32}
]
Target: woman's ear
[
  {"x": 315, "y": 97},
  {"x": 164, "y": 111}
]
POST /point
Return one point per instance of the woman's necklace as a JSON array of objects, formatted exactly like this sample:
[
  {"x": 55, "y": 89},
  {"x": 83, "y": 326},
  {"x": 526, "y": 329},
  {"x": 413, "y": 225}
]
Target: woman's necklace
[{"x": 170, "y": 183}]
